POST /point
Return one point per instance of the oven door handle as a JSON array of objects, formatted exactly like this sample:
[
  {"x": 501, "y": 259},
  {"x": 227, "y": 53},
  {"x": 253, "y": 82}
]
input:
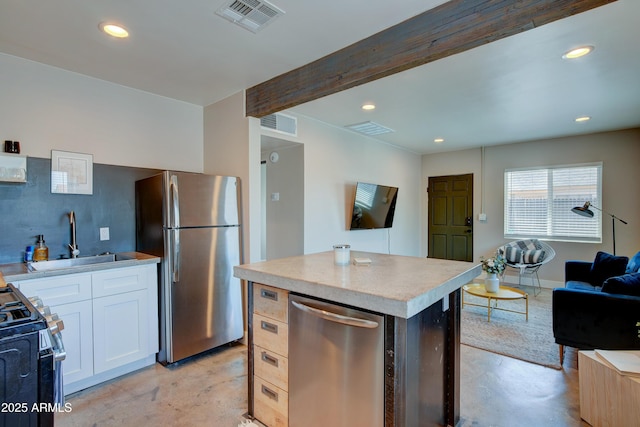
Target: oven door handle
[{"x": 59, "y": 353}]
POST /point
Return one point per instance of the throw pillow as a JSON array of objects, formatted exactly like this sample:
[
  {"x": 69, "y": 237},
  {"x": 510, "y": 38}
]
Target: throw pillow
[
  {"x": 512, "y": 254},
  {"x": 533, "y": 244},
  {"x": 634, "y": 264},
  {"x": 533, "y": 256},
  {"x": 628, "y": 284},
  {"x": 606, "y": 265}
]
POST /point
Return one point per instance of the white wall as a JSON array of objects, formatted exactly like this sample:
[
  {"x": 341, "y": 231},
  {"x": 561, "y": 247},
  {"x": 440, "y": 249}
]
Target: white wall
[
  {"x": 49, "y": 108},
  {"x": 335, "y": 160},
  {"x": 284, "y": 218},
  {"x": 619, "y": 151}
]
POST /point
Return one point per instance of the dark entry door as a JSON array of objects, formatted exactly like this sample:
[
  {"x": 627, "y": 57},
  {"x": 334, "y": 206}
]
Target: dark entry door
[{"x": 451, "y": 217}]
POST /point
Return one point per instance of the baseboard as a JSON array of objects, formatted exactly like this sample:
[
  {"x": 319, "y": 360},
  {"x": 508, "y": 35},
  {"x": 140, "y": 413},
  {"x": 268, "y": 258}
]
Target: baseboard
[
  {"x": 108, "y": 375},
  {"x": 526, "y": 281}
]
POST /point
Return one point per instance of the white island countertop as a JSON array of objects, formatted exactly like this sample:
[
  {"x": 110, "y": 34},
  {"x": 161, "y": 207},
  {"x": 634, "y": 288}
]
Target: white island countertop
[{"x": 397, "y": 285}]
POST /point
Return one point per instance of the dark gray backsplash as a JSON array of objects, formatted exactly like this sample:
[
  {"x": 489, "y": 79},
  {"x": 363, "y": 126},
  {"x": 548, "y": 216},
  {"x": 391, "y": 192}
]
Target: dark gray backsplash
[{"x": 27, "y": 210}]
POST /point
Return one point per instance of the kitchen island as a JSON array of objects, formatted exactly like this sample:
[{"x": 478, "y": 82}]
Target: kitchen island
[{"x": 419, "y": 300}]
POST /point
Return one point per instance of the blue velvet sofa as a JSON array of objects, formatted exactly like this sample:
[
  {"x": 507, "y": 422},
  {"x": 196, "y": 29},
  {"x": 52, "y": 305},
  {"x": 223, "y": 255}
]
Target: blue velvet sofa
[{"x": 599, "y": 307}]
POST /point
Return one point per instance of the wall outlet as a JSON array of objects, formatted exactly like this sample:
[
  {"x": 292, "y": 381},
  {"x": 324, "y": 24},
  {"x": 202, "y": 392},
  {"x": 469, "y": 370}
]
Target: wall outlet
[
  {"x": 275, "y": 197},
  {"x": 104, "y": 233}
]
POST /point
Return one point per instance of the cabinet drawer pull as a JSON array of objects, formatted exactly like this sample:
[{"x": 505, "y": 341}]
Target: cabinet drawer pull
[
  {"x": 269, "y": 327},
  {"x": 265, "y": 293},
  {"x": 269, "y": 359},
  {"x": 269, "y": 393}
]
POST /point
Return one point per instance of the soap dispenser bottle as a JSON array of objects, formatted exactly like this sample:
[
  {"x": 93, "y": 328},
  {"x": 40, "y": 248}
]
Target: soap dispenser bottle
[{"x": 41, "y": 252}]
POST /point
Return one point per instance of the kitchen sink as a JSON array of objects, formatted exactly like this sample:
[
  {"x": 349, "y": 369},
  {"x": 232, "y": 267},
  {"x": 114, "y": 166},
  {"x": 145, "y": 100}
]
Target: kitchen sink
[{"x": 58, "y": 264}]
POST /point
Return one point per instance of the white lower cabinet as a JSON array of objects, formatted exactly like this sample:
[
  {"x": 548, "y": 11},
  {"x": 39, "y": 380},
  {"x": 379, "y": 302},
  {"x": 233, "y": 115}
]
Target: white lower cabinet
[
  {"x": 110, "y": 321},
  {"x": 120, "y": 332},
  {"x": 78, "y": 340}
]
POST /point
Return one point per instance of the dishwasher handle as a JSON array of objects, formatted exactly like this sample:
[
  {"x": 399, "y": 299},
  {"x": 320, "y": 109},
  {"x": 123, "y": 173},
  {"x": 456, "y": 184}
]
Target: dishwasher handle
[{"x": 335, "y": 317}]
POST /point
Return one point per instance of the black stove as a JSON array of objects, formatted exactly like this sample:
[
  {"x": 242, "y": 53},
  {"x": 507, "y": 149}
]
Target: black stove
[{"x": 27, "y": 375}]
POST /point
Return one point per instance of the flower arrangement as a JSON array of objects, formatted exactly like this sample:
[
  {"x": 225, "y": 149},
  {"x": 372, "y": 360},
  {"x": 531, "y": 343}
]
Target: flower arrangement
[{"x": 494, "y": 264}]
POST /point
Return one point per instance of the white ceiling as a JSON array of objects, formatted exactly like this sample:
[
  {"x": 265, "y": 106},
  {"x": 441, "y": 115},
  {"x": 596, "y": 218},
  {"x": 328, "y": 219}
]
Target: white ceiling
[{"x": 512, "y": 90}]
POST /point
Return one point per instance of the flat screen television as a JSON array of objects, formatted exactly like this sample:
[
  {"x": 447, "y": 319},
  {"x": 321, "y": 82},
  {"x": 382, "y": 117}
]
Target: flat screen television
[{"x": 373, "y": 206}]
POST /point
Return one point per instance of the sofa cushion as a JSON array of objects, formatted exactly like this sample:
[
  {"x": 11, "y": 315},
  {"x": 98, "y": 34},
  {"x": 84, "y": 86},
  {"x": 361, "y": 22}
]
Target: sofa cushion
[
  {"x": 634, "y": 264},
  {"x": 606, "y": 265},
  {"x": 628, "y": 284},
  {"x": 583, "y": 286}
]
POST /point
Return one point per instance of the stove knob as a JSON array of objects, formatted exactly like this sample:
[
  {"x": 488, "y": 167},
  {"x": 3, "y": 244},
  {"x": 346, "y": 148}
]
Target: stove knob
[
  {"x": 56, "y": 326},
  {"x": 52, "y": 317},
  {"x": 45, "y": 311},
  {"x": 36, "y": 301}
]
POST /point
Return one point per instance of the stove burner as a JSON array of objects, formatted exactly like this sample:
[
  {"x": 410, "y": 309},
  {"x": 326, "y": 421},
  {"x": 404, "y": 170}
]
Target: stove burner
[{"x": 13, "y": 311}]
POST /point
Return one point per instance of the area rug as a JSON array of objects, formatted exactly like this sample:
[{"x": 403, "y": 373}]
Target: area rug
[{"x": 509, "y": 333}]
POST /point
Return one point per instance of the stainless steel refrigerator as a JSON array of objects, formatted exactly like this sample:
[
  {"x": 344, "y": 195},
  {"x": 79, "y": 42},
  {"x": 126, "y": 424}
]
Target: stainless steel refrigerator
[{"x": 192, "y": 221}]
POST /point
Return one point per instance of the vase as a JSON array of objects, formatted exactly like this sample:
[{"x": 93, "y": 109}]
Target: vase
[{"x": 492, "y": 283}]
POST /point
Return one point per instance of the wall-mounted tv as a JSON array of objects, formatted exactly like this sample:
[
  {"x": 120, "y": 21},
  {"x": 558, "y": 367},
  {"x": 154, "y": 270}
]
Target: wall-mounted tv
[{"x": 373, "y": 206}]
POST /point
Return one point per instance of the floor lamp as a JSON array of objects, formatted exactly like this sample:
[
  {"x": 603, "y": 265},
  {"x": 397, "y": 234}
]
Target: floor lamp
[{"x": 585, "y": 211}]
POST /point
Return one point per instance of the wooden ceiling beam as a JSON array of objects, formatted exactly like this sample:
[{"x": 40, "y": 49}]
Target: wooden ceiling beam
[{"x": 451, "y": 28}]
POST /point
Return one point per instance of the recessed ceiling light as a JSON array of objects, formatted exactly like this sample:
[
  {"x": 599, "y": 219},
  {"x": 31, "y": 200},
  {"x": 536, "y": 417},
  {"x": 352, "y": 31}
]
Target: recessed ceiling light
[
  {"x": 368, "y": 106},
  {"x": 438, "y": 140},
  {"x": 114, "y": 30},
  {"x": 582, "y": 119},
  {"x": 578, "y": 52}
]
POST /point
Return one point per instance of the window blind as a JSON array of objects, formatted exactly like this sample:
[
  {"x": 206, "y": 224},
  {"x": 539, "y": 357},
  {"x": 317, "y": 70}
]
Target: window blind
[
  {"x": 365, "y": 193},
  {"x": 538, "y": 202}
]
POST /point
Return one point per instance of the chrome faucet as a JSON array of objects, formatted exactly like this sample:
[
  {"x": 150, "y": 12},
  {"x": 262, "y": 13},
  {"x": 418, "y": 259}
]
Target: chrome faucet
[{"x": 73, "y": 246}]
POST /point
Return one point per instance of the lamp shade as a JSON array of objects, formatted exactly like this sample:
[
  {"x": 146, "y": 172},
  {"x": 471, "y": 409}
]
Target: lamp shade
[{"x": 583, "y": 210}]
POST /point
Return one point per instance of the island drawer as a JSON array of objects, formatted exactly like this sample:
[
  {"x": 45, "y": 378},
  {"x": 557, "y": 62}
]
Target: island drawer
[
  {"x": 271, "y": 334},
  {"x": 272, "y": 367},
  {"x": 271, "y": 302},
  {"x": 271, "y": 404}
]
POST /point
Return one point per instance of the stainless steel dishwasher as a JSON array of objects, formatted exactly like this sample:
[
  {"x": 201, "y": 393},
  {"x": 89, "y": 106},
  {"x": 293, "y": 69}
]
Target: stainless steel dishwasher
[{"x": 336, "y": 365}]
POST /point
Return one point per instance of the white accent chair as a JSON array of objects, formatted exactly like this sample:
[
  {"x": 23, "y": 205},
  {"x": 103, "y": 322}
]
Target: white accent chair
[{"x": 527, "y": 262}]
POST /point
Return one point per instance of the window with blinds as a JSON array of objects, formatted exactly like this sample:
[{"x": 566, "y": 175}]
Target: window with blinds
[
  {"x": 538, "y": 202},
  {"x": 365, "y": 193}
]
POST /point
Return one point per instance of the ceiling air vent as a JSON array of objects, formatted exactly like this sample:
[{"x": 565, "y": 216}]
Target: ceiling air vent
[
  {"x": 252, "y": 15},
  {"x": 370, "y": 128},
  {"x": 280, "y": 123}
]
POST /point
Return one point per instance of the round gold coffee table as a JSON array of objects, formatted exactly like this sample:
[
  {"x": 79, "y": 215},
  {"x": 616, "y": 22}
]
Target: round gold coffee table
[{"x": 504, "y": 293}]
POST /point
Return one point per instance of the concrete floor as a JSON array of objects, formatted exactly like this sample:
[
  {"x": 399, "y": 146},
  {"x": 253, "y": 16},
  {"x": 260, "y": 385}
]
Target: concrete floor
[{"x": 210, "y": 390}]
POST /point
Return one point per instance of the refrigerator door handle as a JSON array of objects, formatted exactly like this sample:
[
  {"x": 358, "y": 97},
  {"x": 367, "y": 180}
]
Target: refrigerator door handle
[
  {"x": 335, "y": 317},
  {"x": 176, "y": 256},
  {"x": 175, "y": 202}
]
